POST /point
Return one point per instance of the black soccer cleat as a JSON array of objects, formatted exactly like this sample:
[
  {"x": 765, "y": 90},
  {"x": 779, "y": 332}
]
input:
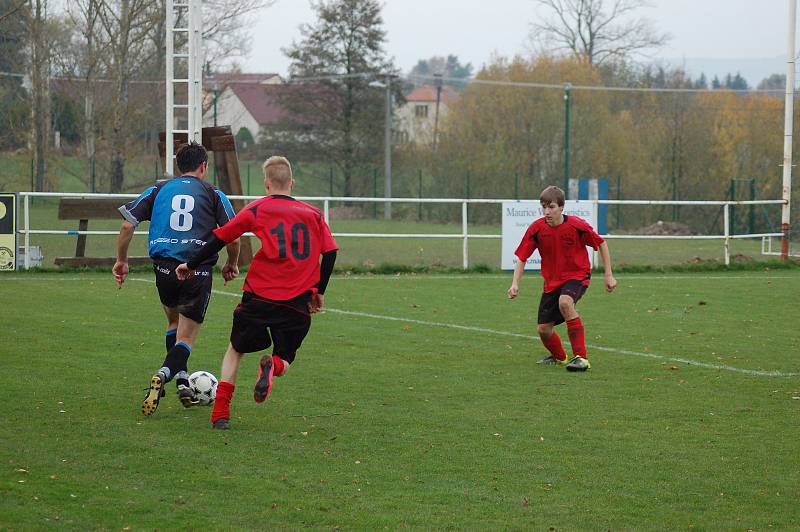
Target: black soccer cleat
[
  {"x": 578, "y": 364},
  {"x": 154, "y": 393},
  {"x": 221, "y": 424},
  {"x": 264, "y": 382}
]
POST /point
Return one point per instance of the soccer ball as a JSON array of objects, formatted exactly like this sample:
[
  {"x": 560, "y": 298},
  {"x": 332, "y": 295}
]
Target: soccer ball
[{"x": 204, "y": 386}]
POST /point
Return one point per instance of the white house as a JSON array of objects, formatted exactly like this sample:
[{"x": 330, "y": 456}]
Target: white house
[{"x": 416, "y": 120}]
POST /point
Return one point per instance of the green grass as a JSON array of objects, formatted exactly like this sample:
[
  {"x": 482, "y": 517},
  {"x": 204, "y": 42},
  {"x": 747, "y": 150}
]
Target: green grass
[{"x": 410, "y": 424}]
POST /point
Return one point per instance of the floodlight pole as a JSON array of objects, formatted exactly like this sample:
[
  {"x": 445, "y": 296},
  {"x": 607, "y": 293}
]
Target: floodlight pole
[
  {"x": 787, "y": 132},
  {"x": 387, "y": 154}
]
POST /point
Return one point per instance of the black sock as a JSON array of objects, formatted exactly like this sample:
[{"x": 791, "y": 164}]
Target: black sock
[
  {"x": 176, "y": 362},
  {"x": 171, "y": 336}
]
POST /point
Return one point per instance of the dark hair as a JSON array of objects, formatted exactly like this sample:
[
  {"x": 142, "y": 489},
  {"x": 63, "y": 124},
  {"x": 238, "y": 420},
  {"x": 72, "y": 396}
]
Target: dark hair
[
  {"x": 190, "y": 156},
  {"x": 552, "y": 194}
]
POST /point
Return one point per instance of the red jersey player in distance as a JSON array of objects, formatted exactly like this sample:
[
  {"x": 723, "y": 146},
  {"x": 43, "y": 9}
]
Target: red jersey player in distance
[
  {"x": 561, "y": 241},
  {"x": 285, "y": 283}
]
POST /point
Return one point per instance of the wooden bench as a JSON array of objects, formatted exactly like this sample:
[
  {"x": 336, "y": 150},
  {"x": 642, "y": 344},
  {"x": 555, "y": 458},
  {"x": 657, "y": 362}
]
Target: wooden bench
[{"x": 91, "y": 209}]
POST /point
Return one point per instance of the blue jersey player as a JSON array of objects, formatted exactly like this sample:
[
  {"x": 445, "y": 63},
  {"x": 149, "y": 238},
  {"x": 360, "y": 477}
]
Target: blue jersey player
[{"x": 182, "y": 213}]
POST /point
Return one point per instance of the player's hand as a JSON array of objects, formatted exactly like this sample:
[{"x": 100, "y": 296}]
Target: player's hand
[
  {"x": 611, "y": 283},
  {"x": 316, "y": 304},
  {"x": 120, "y": 271},
  {"x": 230, "y": 272},
  {"x": 513, "y": 291},
  {"x": 182, "y": 272}
]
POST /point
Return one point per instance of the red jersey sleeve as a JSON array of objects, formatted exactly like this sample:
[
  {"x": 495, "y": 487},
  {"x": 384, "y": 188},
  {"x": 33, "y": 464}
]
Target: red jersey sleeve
[
  {"x": 589, "y": 236},
  {"x": 327, "y": 241},
  {"x": 527, "y": 245},
  {"x": 240, "y": 224}
]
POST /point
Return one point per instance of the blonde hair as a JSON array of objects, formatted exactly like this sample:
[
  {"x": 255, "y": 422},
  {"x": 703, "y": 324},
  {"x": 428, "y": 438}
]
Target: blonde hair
[{"x": 278, "y": 170}]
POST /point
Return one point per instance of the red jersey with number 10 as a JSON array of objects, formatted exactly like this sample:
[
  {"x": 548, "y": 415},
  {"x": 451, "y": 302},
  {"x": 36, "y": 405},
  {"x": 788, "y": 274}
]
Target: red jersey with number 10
[
  {"x": 562, "y": 248},
  {"x": 293, "y": 235}
]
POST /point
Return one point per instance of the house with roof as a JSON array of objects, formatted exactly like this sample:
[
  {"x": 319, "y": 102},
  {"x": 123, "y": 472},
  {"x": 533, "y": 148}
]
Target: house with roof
[
  {"x": 246, "y": 102},
  {"x": 420, "y": 118}
]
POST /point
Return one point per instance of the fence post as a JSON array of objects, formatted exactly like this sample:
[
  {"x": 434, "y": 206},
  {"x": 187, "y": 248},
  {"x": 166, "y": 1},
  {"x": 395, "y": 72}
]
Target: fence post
[
  {"x": 419, "y": 211},
  {"x": 752, "y": 219},
  {"x": 248, "y": 178},
  {"x": 732, "y": 193},
  {"x": 619, "y": 196},
  {"x": 326, "y": 211},
  {"x": 27, "y": 232},
  {"x": 726, "y": 220},
  {"x": 374, "y": 192},
  {"x": 464, "y": 233},
  {"x": 468, "y": 176}
]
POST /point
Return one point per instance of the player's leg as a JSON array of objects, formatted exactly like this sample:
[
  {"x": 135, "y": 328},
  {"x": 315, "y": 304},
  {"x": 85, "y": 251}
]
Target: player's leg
[
  {"x": 167, "y": 286},
  {"x": 194, "y": 296},
  {"x": 248, "y": 334},
  {"x": 571, "y": 292},
  {"x": 289, "y": 324},
  {"x": 548, "y": 317}
]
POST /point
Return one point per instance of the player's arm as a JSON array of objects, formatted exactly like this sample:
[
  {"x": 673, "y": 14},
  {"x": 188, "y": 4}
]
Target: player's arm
[
  {"x": 212, "y": 247},
  {"x": 605, "y": 256},
  {"x": 519, "y": 269},
  {"x": 120, "y": 269},
  {"x": 325, "y": 270},
  {"x": 223, "y": 236},
  {"x": 230, "y": 270}
]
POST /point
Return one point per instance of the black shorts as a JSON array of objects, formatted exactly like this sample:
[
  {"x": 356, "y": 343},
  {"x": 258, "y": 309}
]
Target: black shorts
[
  {"x": 189, "y": 297},
  {"x": 548, "y": 305},
  {"x": 255, "y": 318}
]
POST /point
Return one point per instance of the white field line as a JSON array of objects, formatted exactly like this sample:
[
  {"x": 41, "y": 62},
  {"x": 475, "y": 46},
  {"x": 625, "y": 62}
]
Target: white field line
[{"x": 755, "y": 373}]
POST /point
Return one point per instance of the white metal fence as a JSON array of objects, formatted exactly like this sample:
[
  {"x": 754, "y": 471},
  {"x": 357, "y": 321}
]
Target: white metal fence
[{"x": 464, "y": 236}]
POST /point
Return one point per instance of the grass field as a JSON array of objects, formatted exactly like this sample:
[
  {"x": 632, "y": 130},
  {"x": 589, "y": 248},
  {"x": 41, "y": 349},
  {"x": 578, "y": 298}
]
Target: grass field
[{"x": 414, "y": 403}]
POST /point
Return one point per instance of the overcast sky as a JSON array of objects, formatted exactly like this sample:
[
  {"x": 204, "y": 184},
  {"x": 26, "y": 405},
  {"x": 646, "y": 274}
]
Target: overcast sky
[{"x": 702, "y": 31}]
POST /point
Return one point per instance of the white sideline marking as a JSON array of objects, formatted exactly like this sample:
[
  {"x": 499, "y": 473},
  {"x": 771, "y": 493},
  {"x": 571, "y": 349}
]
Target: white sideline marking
[{"x": 756, "y": 373}]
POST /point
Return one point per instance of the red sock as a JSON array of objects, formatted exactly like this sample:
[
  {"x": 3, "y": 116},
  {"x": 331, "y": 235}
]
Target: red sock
[
  {"x": 577, "y": 337},
  {"x": 222, "y": 403},
  {"x": 278, "y": 364},
  {"x": 553, "y": 344}
]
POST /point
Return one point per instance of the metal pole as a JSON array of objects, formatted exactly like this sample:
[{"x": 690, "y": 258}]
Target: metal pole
[
  {"x": 419, "y": 210},
  {"x": 787, "y": 131},
  {"x": 216, "y": 95},
  {"x": 567, "y": 105},
  {"x": 438, "y": 78},
  {"x": 27, "y": 232},
  {"x": 726, "y": 221},
  {"x": 169, "y": 142},
  {"x": 387, "y": 154},
  {"x": 464, "y": 234},
  {"x": 326, "y": 212},
  {"x": 751, "y": 226}
]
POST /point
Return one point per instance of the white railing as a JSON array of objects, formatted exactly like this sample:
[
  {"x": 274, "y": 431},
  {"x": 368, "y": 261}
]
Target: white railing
[{"x": 464, "y": 235}]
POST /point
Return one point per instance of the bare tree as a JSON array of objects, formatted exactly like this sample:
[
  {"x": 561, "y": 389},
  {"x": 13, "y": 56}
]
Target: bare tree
[
  {"x": 126, "y": 25},
  {"x": 596, "y": 31},
  {"x": 40, "y": 88}
]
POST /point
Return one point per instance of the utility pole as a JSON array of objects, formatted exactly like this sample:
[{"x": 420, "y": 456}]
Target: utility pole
[
  {"x": 387, "y": 153},
  {"x": 216, "y": 95},
  {"x": 567, "y": 105},
  {"x": 438, "y": 78},
  {"x": 787, "y": 132}
]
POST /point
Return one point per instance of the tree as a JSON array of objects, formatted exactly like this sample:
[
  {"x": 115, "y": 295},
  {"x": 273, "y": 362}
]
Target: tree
[
  {"x": 774, "y": 82},
  {"x": 596, "y": 31},
  {"x": 338, "y": 116},
  {"x": 449, "y": 67},
  {"x": 40, "y": 88},
  {"x": 13, "y": 100}
]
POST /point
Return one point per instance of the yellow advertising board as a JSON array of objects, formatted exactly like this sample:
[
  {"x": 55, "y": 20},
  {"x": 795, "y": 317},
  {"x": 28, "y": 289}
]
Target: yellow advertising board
[{"x": 8, "y": 231}]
